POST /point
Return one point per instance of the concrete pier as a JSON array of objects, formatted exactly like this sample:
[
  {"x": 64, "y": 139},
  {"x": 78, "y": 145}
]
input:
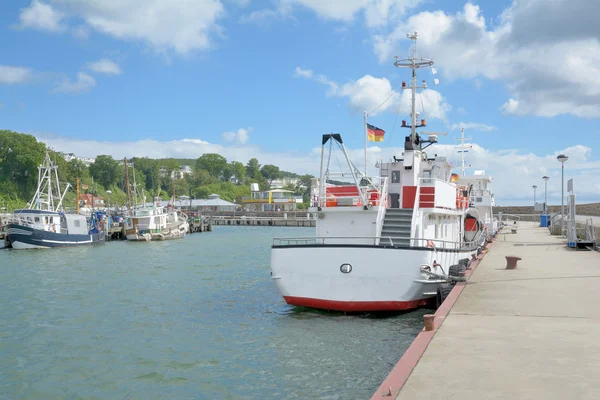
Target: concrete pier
[
  {"x": 264, "y": 221},
  {"x": 525, "y": 333}
]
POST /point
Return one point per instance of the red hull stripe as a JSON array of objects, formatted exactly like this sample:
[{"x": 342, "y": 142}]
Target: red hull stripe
[{"x": 356, "y": 306}]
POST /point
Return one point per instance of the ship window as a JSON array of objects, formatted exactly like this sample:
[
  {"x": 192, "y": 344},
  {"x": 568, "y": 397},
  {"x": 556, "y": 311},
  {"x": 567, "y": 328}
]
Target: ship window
[
  {"x": 77, "y": 224},
  {"x": 395, "y": 176},
  {"x": 37, "y": 219}
]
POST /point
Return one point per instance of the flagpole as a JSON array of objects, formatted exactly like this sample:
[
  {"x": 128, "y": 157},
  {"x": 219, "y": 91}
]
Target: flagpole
[{"x": 366, "y": 133}]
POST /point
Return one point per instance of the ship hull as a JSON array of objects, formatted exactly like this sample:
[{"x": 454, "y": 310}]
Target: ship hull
[
  {"x": 381, "y": 278},
  {"x": 21, "y": 237}
]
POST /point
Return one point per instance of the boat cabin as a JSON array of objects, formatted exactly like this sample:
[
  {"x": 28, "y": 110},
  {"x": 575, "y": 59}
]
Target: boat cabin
[
  {"x": 49, "y": 221},
  {"x": 431, "y": 174}
]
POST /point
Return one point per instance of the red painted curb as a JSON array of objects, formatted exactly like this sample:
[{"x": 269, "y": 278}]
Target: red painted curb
[{"x": 398, "y": 376}]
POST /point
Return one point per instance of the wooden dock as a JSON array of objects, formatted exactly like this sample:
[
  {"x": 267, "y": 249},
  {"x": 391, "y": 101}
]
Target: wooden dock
[{"x": 200, "y": 224}]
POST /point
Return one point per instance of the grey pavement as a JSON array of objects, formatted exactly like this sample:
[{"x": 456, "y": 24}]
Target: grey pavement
[{"x": 528, "y": 333}]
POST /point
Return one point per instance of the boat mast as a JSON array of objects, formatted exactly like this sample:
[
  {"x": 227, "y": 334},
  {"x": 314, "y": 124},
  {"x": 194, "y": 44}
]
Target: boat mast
[
  {"x": 127, "y": 185},
  {"x": 463, "y": 149},
  {"x": 413, "y": 63},
  {"x": 77, "y": 194}
]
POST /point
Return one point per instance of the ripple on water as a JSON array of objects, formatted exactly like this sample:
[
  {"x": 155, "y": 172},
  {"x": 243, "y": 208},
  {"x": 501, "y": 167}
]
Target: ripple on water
[{"x": 187, "y": 319}]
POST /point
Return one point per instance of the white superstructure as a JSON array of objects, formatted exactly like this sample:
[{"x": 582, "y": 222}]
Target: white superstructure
[{"x": 385, "y": 242}]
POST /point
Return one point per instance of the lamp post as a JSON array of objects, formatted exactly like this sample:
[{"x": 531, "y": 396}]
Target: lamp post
[
  {"x": 534, "y": 188},
  {"x": 545, "y": 178},
  {"x": 108, "y": 192},
  {"x": 562, "y": 159}
]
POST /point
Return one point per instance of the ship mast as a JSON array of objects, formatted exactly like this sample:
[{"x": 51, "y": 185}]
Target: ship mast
[
  {"x": 413, "y": 63},
  {"x": 127, "y": 185},
  {"x": 463, "y": 149}
]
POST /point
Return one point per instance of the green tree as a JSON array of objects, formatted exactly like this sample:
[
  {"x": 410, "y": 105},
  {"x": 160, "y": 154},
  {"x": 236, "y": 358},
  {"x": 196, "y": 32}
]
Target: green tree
[
  {"x": 201, "y": 177},
  {"x": 304, "y": 187},
  {"x": 105, "y": 170},
  {"x": 182, "y": 187},
  {"x": 213, "y": 163},
  {"x": 151, "y": 170},
  {"x": 202, "y": 192},
  {"x": 227, "y": 172},
  {"x": 20, "y": 156},
  {"x": 238, "y": 170},
  {"x": 253, "y": 169},
  {"x": 77, "y": 169},
  {"x": 271, "y": 172}
]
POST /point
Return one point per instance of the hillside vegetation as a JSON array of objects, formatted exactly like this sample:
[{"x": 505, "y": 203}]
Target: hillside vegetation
[{"x": 21, "y": 154}]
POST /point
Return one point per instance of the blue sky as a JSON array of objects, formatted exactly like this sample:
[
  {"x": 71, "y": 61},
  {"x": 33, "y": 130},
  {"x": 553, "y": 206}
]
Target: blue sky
[{"x": 266, "y": 78}]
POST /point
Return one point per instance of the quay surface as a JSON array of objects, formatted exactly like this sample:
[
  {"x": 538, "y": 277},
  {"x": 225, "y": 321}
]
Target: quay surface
[
  {"x": 264, "y": 221},
  {"x": 527, "y": 333}
]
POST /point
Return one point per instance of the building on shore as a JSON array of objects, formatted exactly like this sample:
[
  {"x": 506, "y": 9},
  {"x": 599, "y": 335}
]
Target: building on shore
[
  {"x": 271, "y": 200},
  {"x": 86, "y": 160},
  {"x": 86, "y": 199},
  {"x": 213, "y": 203}
]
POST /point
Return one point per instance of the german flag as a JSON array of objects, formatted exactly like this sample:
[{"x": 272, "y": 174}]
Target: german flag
[{"x": 375, "y": 133}]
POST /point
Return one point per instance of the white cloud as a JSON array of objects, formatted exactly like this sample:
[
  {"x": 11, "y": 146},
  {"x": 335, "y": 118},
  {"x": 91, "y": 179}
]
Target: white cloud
[
  {"x": 42, "y": 16},
  {"x": 303, "y": 73},
  {"x": 505, "y": 166},
  {"x": 164, "y": 25},
  {"x": 376, "y": 95},
  {"x": 83, "y": 83},
  {"x": 12, "y": 75},
  {"x": 376, "y": 12},
  {"x": 473, "y": 126},
  {"x": 241, "y": 136},
  {"x": 81, "y": 32},
  {"x": 105, "y": 66},
  {"x": 547, "y": 70},
  {"x": 261, "y": 17}
]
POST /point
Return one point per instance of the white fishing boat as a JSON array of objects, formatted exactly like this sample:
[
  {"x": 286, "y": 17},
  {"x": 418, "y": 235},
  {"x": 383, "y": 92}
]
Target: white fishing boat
[
  {"x": 45, "y": 224},
  {"x": 382, "y": 243},
  {"x": 154, "y": 222}
]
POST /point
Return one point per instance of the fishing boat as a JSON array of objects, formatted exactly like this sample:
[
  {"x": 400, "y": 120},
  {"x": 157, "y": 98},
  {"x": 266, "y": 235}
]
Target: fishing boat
[
  {"x": 383, "y": 243},
  {"x": 45, "y": 224},
  {"x": 147, "y": 223}
]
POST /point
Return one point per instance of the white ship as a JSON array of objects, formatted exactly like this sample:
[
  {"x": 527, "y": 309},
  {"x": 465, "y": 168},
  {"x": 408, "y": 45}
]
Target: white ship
[
  {"x": 382, "y": 243},
  {"x": 481, "y": 195}
]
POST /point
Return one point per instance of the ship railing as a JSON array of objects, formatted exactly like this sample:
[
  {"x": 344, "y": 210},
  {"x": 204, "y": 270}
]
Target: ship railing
[
  {"x": 383, "y": 198},
  {"x": 433, "y": 244},
  {"x": 17, "y": 220},
  {"x": 372, "y": 191}
]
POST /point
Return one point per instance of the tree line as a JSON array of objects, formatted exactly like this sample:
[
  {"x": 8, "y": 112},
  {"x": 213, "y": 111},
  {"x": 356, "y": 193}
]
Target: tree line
[{"x": 21, "y": 154}]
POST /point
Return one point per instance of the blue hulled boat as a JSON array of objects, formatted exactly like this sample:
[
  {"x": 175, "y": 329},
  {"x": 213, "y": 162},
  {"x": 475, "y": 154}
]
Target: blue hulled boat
[{"x": 44, "y": 224}]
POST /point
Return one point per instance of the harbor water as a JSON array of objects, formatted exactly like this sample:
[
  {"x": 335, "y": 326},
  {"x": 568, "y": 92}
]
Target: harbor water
[{"x": 196, "y": 318}]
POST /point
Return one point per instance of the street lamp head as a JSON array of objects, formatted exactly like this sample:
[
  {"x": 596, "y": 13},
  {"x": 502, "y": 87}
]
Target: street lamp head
[
  {"x": 562, "y": 158},
  {"x": 534, "y": 186},
  {"x": 545, "y": 178},
  {"x": 108, "y": 192}
]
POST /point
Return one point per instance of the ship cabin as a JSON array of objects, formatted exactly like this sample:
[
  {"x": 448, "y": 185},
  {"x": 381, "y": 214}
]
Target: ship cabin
[
  {"x": 49, "y": 221},
  {"x": 479, "y": 185},
  {"x": 431, "y": 176}
]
